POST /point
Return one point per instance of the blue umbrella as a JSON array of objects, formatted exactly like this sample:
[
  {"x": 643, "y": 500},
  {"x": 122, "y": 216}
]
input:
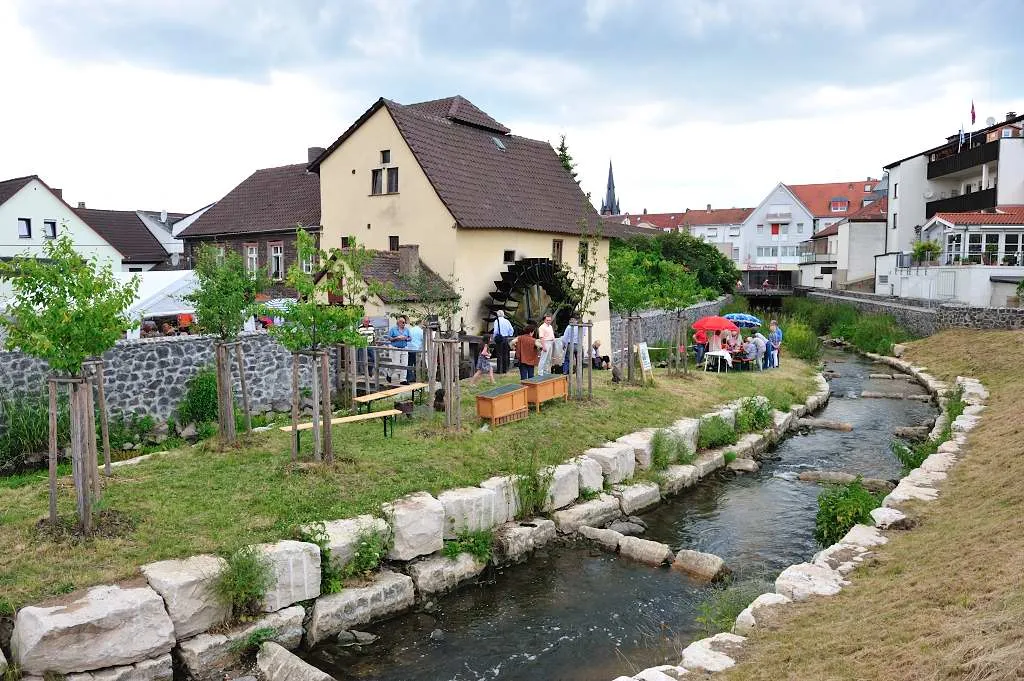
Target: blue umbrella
[{"x": 743, "y": 320}]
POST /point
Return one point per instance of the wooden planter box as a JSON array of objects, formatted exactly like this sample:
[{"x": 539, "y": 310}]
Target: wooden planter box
[
  {"x": 502, "y": 405},
  {"x": 544, "y": 388}
]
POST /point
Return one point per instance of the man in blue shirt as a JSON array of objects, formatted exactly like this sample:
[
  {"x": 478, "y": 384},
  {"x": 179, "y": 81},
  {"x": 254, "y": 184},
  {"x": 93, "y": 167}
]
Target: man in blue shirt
[
  {"x": 415, "y": 347},
  {"x": 398, "y": 338},
  {"x": 503, "y": 333}
]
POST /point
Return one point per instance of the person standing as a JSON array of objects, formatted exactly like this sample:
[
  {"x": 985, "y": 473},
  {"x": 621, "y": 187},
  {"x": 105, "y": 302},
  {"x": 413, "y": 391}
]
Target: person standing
[
  {"x": 414, "y": 348},
  {"x": 503, "y": 333},
  {"x": 775, "y": 336},
  {"x": 570, "y": 344},
  {"x": 526, "y": 352},
  {"x": 398, "y": 337},
  {"x": 546, "y": 333}
]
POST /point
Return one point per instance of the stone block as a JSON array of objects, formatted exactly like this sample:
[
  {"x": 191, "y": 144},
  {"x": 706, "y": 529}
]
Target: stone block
[
  {"x": 187, "y": 589},
  {"x": 277, "y": 664},
  {"x": 675, "y": 478},
  {"x": 437, "y": 574},
  {"x": 753, "y": 615},
  {"x": 712, "y": 654},
  {"x": 802, "y": 581},
  {"x": 637, "y": 497},
  {"x": 514, "y": 541},
  {"x": 506, "y": 502},
  {"x": 207, "y": 656},
  {"x": 563, "y": 488},
  {"x": 703, "y": 566},
  {"x": 688, "y": 430},
  {"x": 343, "y": 536},
  {"x": 608, "y": 539},
  {"x": 296, "y": 569},
  {"x": 596, "y": 513},
  {"x": 417, "y": 526},
  {"x": 645, "y": 550},
  {"x": 640, "y": 441},
  {"x": 107, "y": 626},
  {"x": 467, "y": 509},
  {"x": 591, "y": 476},
  {"x": 617, "y": 463},
  {"x": 389, "y": 593}
]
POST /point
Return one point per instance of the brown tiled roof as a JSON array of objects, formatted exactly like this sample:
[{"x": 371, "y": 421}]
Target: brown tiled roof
[
  {"x": 9, "y": 188},
  {"x": 488, "y": 179},
  {"x": 269, "y": 200},
  {"x": 383, "y": 268},
  {"x": 123, "y": 230},
  {"x": 818, "y": 197},
  {"x": 1003, "y": 215}
]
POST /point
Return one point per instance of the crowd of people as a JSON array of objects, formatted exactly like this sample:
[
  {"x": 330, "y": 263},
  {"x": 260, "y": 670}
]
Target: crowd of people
[{"x": 755, "y": 349}]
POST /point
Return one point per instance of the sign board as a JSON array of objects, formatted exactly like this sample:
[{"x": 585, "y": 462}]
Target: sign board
[{"x": 645, "y": 360}]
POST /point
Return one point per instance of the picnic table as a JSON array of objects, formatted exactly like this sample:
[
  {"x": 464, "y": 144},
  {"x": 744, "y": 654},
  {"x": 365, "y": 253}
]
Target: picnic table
[
  {"x": 504, "y": 404},
  {"x": 370, "y": 398},
  {"x": 543, "y": 388}
]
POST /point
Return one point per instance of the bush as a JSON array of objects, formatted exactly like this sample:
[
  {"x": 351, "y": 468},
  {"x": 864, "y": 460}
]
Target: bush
[
  {"x": 754, "y": 415},
  {"x": 715, "y": 432},
  {"x": 200, "y": 402},
  {"x": 244, "y": 582},
  {"x": 800, "y": 341},
  {"x": 840, "y": 508},
  {"x": 477, "y": 544},
  {"x": 25, "y": 430}
]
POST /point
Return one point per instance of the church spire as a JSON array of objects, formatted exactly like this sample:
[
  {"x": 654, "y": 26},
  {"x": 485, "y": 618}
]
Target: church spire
[{"x": 610, "y": 204}]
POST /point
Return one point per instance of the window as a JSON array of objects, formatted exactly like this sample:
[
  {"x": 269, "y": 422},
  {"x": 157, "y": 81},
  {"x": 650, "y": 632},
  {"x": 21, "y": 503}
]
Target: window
[
  {"x": 307, "y": 264},
  {"x": 736, "y": 254},
  {"x": 839, "y": 205},
  {"x": 276, "y": 261},
  {"x": 894, "y": 216},
  {"x": 24, "y": 228},
  {"x": 760, "y": 229},
  {"x": 583, "y": 252},
  {"x": 376, "y": 181},
  {"x": 49, "y": 229},
  {"x": 392, "y": 243},
  {"x": 799, "y": 228},
  {"x": 346, "y": 242},
  {"x": 252, "y": 257},
  {"x": 556, "y": 251},
  {"x": 896, "y": 190},
  {"x": 508, "y": 256},
  {"x": 385, "y": 156},
  {"x": 392, "y": 180}
]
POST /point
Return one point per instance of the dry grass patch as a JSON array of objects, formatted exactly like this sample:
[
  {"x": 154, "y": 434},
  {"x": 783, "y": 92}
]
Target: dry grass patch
[
  {"x": 205, "y": 501},
  {"x": 945, "y": 600}
]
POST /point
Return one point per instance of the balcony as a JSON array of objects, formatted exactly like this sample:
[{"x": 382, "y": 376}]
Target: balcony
[
  {"x": 965, "y": 202},
  {"x": 969, "y": 158},
  {"x": 812, "y": 258}
]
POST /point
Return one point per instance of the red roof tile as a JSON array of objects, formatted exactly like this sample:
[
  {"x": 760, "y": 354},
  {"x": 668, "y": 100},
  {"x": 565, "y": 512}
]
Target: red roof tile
[
  {"x": 1004, "y": 215},
  {"x": 818, "y": 197},
  {"x": 123, "y": 230}
]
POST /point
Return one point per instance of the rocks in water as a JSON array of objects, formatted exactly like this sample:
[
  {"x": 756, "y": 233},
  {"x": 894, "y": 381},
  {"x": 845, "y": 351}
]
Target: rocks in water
[
  {"x": 743, "y": 466},
  {"x": 607, "y": 538},
  {"x": 277, "y": 664},
  {"x": 417, "y": 524},
  {"x": 626, "y": 528},
  {"x": 564, "y": 486},
  {"x": 437, "y": 574},
  {"x": 513, "y": 542},
  {"x": 389, "y": 593},
  {"x": 468, "y": 509},
  {"x": 841, "y": 478},
  {"x": 187, "y": 589},
  {"x": 296, "y": 569},
  {"x": 703, "y": 566},
  {"x": 645, "y": 551},
  {"x": 825, "y": 424},
  {"x": 106, "y": 626},
  {"x": 596, "y": 513},
  {"x": 637, "y": 497},
  {"x": 890, "y": 519},
  {"x": 713, "y": 654},
  {"x": 802, "y": 581},
  {"x": 207, "y": 656},
  {"x": 758, "y": 613}
]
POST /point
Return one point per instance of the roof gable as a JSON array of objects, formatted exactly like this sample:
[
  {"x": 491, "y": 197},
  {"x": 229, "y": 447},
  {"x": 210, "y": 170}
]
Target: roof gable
[{"x": 125, "y": 231}]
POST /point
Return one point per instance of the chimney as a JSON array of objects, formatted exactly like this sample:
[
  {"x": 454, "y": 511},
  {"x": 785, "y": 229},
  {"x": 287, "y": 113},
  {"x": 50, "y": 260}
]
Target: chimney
[
  {"x": 163, "y": 216},
  {"x": 81, "y": 204},
  {"x": 408, "y": 260},
  {"x": 58, "y": 192},
  {"x": 312, "y": 153},
  {"x": 709, "y": 207},
  {"x": 1010, "y": 115}
]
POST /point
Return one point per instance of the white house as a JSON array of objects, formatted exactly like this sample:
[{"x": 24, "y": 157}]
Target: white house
[{"x": 984, "y": 170}]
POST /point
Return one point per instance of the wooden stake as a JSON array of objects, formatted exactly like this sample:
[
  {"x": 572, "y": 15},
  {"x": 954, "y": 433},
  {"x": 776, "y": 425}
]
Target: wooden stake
[
  {"x": 295, "y": 406},
  {"x": 240, "y": 360},
  {"x": 53, "y": 451},
  {"x": 325, "y": 378}
]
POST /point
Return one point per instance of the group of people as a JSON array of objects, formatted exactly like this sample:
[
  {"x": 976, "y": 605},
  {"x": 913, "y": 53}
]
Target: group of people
[{"x": 755, "y": 348}]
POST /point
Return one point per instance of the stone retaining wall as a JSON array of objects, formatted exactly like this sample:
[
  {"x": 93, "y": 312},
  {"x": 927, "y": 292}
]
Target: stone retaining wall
[{"x": 659, "y": 325}]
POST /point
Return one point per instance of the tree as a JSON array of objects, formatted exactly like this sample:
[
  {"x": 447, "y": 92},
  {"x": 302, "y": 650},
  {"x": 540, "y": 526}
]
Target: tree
[
  {"x": 310, "y": 324},
  {"x": 223, "y": 300},
  {"x": 67, "y": 310},
  {"x": 566, "y": 158}
]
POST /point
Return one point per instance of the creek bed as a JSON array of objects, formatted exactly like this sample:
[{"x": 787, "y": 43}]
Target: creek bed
[{"x": 574, "y": 613}]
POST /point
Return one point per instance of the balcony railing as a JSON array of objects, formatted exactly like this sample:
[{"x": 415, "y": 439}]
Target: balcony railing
[
  {"x": 809, "y": 258},
  {"x": 958, "y": 204},
  {"x": 968, "y": 158}
]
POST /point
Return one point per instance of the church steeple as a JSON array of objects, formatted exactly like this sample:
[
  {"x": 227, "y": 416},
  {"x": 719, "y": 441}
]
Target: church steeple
[{"x": 610, "y": 204}]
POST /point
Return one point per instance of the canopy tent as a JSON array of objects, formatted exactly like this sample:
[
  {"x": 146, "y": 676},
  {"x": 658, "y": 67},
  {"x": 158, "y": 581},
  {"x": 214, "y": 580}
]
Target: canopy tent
[{"x": 160, "y": 294}]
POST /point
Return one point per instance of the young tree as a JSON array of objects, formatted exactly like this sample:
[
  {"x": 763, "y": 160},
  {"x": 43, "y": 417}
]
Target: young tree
[
  {"x": 66, "y": 310},
  {"x": 310, "y": 325},
  {"x": 566, "y": 158},
  {"x": 224, "y": 299}
]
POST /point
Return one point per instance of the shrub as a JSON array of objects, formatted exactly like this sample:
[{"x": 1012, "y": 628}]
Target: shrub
[
  {"x": 754, "y": 415},
  {"x": 244, "y": 582},
  {"x": 200, "y": 402},
  {"x": 532, "y": 482},
  {"x": 477, "y": 544},
  {"x": 25, "y": 430},
  {"x": 800, "y": 341},
  {"x": 715, "y": 432},
  {"x": 721, "y": 607},
  {"x": 370, "y": 552},
  {"x": 840, "y": 508}
]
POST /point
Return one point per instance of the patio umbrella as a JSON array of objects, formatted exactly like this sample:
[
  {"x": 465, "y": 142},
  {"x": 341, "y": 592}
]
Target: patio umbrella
[
  {"x": 743, "y": 320},
  {"x": 715, "y": 324}
]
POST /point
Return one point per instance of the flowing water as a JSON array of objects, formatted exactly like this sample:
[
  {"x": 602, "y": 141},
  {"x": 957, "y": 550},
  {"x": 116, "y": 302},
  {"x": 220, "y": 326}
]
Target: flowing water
[{"x": 574, "y": 613}]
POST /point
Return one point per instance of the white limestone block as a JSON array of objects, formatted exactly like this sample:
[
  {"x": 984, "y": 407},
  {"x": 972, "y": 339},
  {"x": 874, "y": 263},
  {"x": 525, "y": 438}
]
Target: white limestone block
[
  {"x": 506, "y": 502},
  {"x": 645, "y": 550},
  {"x": 802, "y": 581},
  {"x": 591, "y": 476},
  {"x": 187, "y": 589},
  {"x": 107, "y": 626},
  {"x": 637, "y": 497},
  {"x": 704, "y": 566},
  {"x": 747, "y": 620},
  {"x": 712, "y": 654},
  {"x": 343, "y": 536},
  {"x": 467, "y": 509},
  {"x": 514, "y": 541},
  {"x": 675, "y": 478},
  {"x": 596, "y": 513},
  {"x": 617, "y": 463},
  {"x": 389, "y": 593},
  {"x": 277, "y": 664},
  {"x": 564, "y": 487},
  {"x": 437, "y": 574},
  {"x": 296, "y": 569},
  {"x": 608, "y": 539},
  {"x": 417, "y": 525}
]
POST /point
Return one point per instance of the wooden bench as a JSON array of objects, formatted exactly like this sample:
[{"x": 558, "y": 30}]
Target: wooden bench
[
  {"x": 370, "y": 398},
  {"x": 388, "y": 416},
  {"x": 543, "y": 388},
  {"x": 503, "y": 404}
]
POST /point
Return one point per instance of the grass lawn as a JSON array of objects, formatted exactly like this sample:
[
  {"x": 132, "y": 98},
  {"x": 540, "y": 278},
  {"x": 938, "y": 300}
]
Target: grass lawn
[
  {"x": 945, "y": 600},
  {"x": 199, "y": 500}
]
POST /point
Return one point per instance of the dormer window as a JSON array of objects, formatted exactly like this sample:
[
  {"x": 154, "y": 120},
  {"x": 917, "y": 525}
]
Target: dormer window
[{"x": 839, "y": 205}]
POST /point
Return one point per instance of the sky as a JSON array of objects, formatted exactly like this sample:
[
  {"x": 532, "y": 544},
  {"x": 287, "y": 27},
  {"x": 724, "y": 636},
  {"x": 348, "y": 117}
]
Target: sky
[{"x": 168, "y": 104}]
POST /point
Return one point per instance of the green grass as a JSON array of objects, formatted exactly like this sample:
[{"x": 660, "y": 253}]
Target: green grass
[{"x": 201, "y": 500}]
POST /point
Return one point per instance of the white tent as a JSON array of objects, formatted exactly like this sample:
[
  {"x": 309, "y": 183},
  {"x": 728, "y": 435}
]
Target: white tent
[{"x": 160, "y": 293}]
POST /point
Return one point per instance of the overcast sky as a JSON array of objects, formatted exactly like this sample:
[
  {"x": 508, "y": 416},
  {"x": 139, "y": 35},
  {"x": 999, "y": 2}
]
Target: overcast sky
[{"x": 170, "y": 103}]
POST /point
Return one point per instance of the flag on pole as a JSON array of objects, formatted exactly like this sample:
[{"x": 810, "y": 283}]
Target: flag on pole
[{"x": 972, "y": 112}]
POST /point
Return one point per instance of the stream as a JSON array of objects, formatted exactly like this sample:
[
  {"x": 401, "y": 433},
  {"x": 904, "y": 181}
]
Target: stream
[{"x": 575, "y": 613}]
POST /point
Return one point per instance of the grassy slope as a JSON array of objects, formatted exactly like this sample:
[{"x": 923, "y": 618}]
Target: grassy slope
[
  {"x": 946, "y": 600},
  {"x": 200, "y": 501}
]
